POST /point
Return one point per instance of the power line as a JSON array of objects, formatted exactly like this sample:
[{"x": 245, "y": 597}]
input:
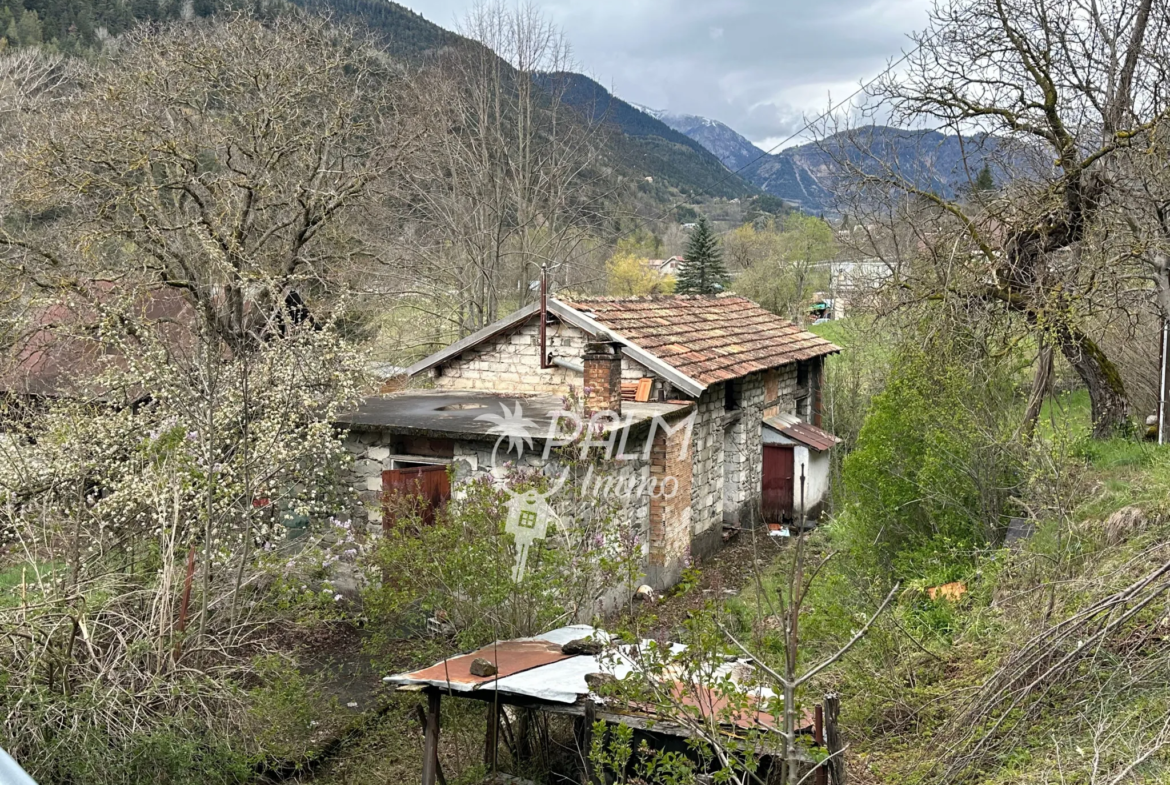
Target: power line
[{"x": 860, "y": 89}]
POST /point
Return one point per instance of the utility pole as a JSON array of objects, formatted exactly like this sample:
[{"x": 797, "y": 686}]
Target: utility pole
[{"x": 1162, "y": 431}]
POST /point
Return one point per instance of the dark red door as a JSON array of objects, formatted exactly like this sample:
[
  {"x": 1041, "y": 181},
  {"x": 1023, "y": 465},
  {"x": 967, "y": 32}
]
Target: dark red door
[
  {"x": 421, "y": 488},
  {"x": 777, "y": 483}
]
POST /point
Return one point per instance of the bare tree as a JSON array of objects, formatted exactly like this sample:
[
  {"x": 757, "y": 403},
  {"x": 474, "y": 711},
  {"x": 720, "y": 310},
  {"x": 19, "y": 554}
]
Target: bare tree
[
  {"x": 514, "y": 178},
  {"x": 221, "y": 159},
  {"x": 1055, "y": 92}
]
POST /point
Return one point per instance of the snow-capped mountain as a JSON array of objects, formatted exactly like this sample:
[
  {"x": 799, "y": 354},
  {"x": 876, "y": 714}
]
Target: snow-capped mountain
[{"x": 731, "y": 148}]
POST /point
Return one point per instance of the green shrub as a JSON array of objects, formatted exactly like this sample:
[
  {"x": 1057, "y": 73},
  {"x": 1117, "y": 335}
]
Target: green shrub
[{"x": 929, "y": 484}]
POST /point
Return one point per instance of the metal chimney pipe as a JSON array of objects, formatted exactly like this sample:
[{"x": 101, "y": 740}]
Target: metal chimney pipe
[{"x": 544, "y": 316}]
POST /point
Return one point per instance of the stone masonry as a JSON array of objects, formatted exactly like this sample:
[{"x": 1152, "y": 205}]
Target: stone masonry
[
  {"x": 511, "y": 362},
  {"x": 670, "y": 508},
  {"x": 742, "y": 452}
]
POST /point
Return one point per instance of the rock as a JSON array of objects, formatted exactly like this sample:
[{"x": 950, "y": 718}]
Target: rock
[
  {"x": 582, "y": 646},
  {"x": 481, "y": 667},
  {"x": 1124, "y": 523},
  {"x": 344, "y": 579},
  {"x": 598, "y": 680}
]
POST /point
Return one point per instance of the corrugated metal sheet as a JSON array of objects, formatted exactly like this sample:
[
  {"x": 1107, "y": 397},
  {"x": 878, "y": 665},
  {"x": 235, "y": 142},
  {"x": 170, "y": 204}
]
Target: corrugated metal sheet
[
  {"x": 536, "y": 668},
  {"x": 808, "y": 435},
  {"x": 811, "y": 435}
]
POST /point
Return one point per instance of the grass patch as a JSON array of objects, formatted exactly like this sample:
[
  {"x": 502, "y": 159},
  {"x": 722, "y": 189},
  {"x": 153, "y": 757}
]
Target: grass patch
[
  {"x": 835, "y": 331},
  {"x": 23, "y": 573}
]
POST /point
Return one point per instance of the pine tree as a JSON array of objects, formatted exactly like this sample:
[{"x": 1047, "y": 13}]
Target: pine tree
[
  {"x": 702, "y": 270},
  {"x": 984, "y": 181}
]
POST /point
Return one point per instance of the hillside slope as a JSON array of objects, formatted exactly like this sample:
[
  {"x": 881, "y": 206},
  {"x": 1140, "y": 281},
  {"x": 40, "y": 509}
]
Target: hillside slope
[
  {"x": 650, "y": 147},
  {"x": 729, "y": 146},
  {"x": 646, "y": 147}
]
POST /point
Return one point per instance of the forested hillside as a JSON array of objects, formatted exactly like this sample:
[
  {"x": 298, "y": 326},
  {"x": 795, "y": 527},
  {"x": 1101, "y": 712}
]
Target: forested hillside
[
  {"x": 650, "y": 147},
  {"x": 78, "y": 25},
  {"x": 644, "y": 147}
]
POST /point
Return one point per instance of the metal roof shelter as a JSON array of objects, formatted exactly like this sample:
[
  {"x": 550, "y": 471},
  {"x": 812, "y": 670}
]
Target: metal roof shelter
[
  {"x": 536, "y": 673},
  {"x": 801, "y": 432}
]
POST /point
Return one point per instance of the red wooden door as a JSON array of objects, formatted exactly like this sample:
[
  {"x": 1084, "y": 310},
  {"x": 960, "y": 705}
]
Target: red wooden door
[
  {"x": 424, "y": 488},
  {"x": 778, "y": 476}
]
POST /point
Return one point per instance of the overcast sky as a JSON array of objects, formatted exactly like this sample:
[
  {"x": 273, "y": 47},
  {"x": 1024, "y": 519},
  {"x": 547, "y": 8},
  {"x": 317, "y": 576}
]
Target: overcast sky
[{"x": 758, "y": 65}]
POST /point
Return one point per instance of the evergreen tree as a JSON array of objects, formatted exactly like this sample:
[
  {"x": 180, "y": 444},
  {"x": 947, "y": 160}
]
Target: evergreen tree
[
  {"x": 984, "y": 181},
  {"x": 702, "y": 270},
  {"x": 28, "y": 29}
]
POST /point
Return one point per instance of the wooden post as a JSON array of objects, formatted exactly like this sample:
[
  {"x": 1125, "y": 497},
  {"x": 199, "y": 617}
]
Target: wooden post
[
  {"x": 1163, "y": 368},
  {"x": 822, "y": 775},
  {"x": 431, "y": 739},
  {"x": 584, "y": 736},
  {"x": 833, "y": 742},
  {"x": 186, "y": 601},
  {"x": 491, "y": 740}
]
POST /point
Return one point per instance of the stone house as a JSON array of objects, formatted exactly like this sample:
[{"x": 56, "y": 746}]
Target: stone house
[{"x": 744, "y": 383}]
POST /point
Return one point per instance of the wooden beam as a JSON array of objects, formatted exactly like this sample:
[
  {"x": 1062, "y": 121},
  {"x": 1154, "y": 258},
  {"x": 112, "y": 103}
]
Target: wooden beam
[
  {"x": 833, "y": 739},
  {"x": 431, "y": 739},
  {"x": 491, "y": 739}
]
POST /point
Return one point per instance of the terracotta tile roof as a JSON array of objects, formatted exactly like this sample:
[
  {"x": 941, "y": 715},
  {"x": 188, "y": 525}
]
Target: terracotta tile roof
[{"x": 710, "y": 339}]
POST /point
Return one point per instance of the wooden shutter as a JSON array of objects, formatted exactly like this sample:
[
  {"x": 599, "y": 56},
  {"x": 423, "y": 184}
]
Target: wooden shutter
[{"x": 427, "y": 487}]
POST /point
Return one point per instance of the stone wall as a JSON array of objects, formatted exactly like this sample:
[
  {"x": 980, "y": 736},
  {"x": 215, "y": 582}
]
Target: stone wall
[
  {"x": 780, "y": 384},
  {"x": 511, "y": 362},
  {"x": 707, "y": 472},
  {"x": 669, "y": 516},
  {"x": 374, "y": 452},
  {"x": 728, "y": 455},
  {"x": 742, "y": 452}
]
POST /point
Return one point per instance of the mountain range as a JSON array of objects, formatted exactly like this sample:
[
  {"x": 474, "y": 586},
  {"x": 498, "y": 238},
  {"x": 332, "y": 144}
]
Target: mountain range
[
  {"x": 673, "y": 154},
  {"x": 695, "y": 156}
]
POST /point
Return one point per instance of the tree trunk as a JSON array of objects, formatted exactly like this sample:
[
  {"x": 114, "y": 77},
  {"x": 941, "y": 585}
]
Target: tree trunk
[
  {"x": 1041, "y": 385},
  {"x": 1106, "y": 389}
]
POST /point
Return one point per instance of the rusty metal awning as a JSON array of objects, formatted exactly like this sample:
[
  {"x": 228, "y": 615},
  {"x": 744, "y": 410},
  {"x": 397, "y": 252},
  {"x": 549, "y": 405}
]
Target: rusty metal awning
[
  {"x": 536, "y": 671},
  {"x": 798, "y": 431}
]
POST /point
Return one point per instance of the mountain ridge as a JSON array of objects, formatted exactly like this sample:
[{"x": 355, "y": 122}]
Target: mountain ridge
[
  {"x": 802, "y": 175},
  {"x": 646, "y": 146},
  {"x": 728, "y": 145}
]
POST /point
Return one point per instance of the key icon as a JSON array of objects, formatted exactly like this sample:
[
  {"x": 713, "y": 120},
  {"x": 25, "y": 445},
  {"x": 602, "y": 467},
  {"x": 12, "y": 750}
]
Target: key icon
[{"x": 528, "y": 517}]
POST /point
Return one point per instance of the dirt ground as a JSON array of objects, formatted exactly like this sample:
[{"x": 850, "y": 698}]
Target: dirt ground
[{"x": 723, "y": 574}]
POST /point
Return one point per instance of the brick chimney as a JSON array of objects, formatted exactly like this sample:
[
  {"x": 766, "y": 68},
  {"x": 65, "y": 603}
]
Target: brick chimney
[{"x": 603, "y": 376}]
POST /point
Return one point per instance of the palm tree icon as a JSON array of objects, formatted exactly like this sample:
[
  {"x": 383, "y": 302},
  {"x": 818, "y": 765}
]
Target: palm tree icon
[{"x": 513, "y": 426}]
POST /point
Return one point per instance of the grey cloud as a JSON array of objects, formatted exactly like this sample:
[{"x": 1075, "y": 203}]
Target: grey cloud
[{"x": 757, "y": 65}]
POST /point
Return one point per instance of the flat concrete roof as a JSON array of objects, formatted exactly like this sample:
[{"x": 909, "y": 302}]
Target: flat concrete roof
[{"x": 447, "y": 413}]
